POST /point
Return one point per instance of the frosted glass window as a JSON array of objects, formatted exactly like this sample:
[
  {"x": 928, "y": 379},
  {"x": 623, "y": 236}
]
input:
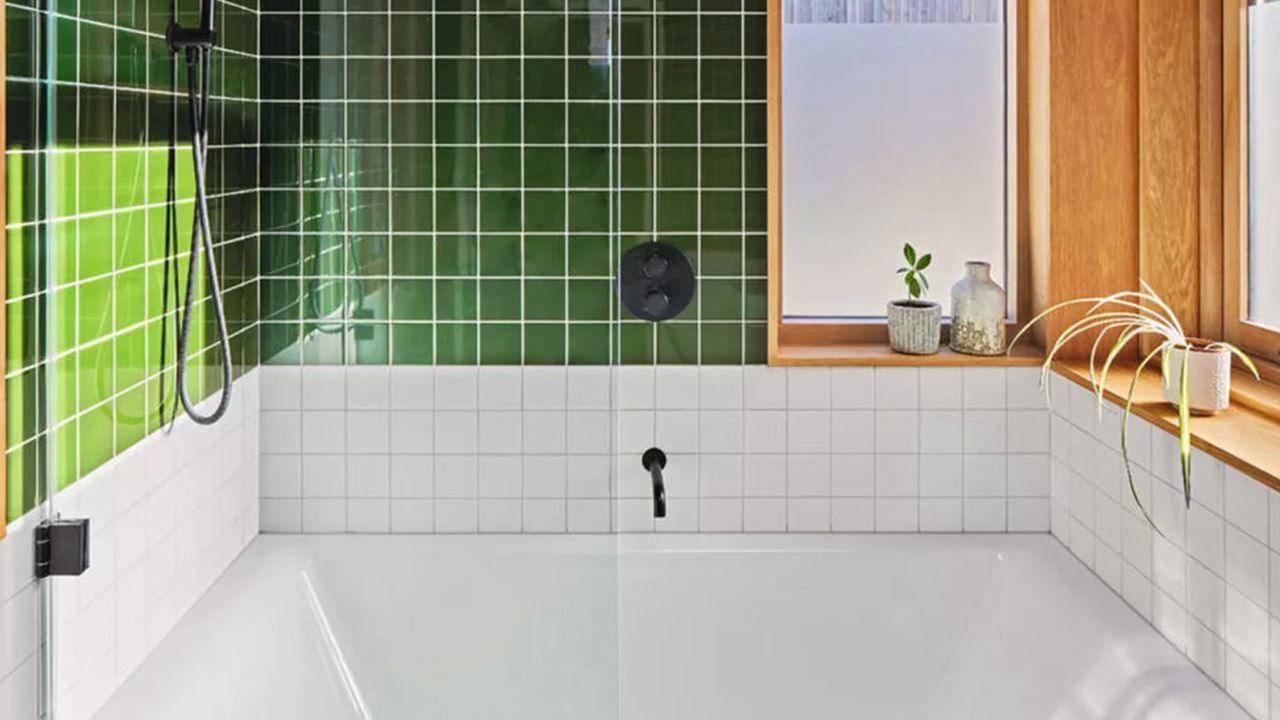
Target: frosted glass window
[
  {"x": 893, "y": 130},
  {"x": 1264, "y": 164}
]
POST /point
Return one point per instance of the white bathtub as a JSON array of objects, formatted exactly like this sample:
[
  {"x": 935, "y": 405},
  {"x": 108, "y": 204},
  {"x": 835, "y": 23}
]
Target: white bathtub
[{"x": 663, "y": 628}]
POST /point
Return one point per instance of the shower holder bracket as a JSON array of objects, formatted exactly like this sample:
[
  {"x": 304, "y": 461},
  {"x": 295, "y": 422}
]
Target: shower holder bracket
[{"x": 62, "y": 547}]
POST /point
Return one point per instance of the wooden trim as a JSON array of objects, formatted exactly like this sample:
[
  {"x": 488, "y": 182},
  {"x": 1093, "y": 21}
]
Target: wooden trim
[
  {"x": 879, "y": 354},
  {"x": 4, "y": 293},
  {"x": 1241, "y": 436},
  {"x": 1256, "y": 339},
  {"x": 1210, "y": 110},
  {"x": 786, "y": 339}
]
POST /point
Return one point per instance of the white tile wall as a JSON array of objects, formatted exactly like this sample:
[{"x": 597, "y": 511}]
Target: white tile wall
[
  {"x": 167, "y": 517},
  {"x": 1209, "y": 579},
  {"x": 754, "y": 449}
]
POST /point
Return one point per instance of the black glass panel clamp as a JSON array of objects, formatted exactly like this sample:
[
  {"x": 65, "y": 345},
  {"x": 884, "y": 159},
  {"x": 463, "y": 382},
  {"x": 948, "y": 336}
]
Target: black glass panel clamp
[{"x": 654, "y": 460}]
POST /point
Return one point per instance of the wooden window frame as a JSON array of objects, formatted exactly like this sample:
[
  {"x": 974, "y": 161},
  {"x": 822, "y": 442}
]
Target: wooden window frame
[
  {"x": 1260, "y": 341},
  {"x": 866, "y": 342}
]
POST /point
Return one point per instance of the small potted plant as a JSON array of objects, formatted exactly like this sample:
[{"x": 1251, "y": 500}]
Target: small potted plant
[
  {"x": 1196, "y": 373},
  {"x": 915, "y": 325}
]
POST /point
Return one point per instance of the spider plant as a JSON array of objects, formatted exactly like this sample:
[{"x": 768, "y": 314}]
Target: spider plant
[{"x": 1126, "y": 317}]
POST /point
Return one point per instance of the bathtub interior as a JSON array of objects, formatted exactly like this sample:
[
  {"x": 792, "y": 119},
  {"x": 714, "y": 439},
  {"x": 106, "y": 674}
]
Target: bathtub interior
[{"x": 664, "y": 627}]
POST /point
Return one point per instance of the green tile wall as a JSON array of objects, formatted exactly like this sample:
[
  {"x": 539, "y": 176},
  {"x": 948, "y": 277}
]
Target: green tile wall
[
  {"x": 452, "y": 181},
  {"x": 89, "y": 97}
]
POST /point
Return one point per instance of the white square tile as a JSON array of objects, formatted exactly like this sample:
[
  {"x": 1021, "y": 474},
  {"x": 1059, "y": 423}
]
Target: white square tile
[
  {"x": 897, "y": 388},
  {"x": 589, "y": 432},
  {"x": 897, "y": 475},
  {"x": 853, "y": 475},
  {"x": 984, "y": 476},
  {"x": 588, "y": 476},
  {"x": 590, "y": 387},
  {"x": 545, "y": 432},
  {"x": 412, "y": 515},
  {"x": 984, "y": 515},
  {"x": 1247, "y": 685},
  {"x": 412, "y": 476},
  {"x": 456, "y": 515},
  {"x": 1246, "y": 504},
  {"x": 546, "y": 387},
  {"x": 808, "y": 431},
  {"x": 764, "y": 514},
  {"x": 500, "y": 431},
  {"x": 984, "y": 431},
  {"x": 677, "y": 431},
  {"x": 720, "y": 515},
  {"x": 1023, "y": 390},
  {"x": 1248, "y": 562},
  {"x": 682, "y": 516},
  {"x": 323, "y": 476},
  {"x": 853, "y": 431},
  {"x": 1028, "y": 475},
  {"x": 721, "y": 476},
  {"x": 281, "y": 388},
  {"x": 545, "y": 516},
  {"x": 588, "y": 516},
  {"x": 457, "y": 388},
  {"x": 765, "y": 431},
  {"x": 897, "y": 431},
  {"x": 281, "y": 477},
  {"x": 368, "y": 387},
  {"x": 853, "y": 388},
  {"x": 984, "y": 388},
  {"x": 636, "y": 387},
  {"x": 368, "y": 431},
  {"x": 280, "y": 515},
  {"x": 366, "y": 515},
  {"x": 1137, "y": 544},
  {"x": 853, "y": 515},
  {"x": 456, "y": 432},
  {"x": 720, "y": 388},
  {"x": 456, "y": 476},
  {"x": 1028, "y": 514},
  {"x": 635, "y": 515},
  {"x": 545, "y": 476},
  {"x": 324, "y": 515},
  {"x": 368, "y": 476},
  {"x": 808, "y": 515},
  {"x": 941, "y": 515},
  {"x": 1027, "y": 431},
  {"x": 941, "y": 431},
  {"x": 636, "y": 431},
  {"x": 941, "y": 388},
  {"x": 677, "y": 387},
  {"x": 897, "y": 515},
  {"x": 720, "y": 431},
  {"x": 764, "y": 388},
  {"x": 808, "y": 388},
  {"x": 281, "y": 431},
  {"x": 1248, "y": 629},
  {"x": 1205, "y": 538},
  {"x": 500, "y": 388},
  {"x": 942, "y": 475},
  {"x": 413, "y": 431},
  {"x": 765, "y": 476},
  {"x": 499, "y": 516},
  {"x": 499, "y": 476},
  {"x": 1207, "y": 598},
  {"x": 413, "y": 387},
  {"x": 324, "y": 388},
  {"x": 808, "y": 475}
]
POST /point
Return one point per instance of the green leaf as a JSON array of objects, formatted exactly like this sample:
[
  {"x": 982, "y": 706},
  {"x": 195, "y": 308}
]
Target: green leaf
[
  {"x": 1184, "y": 426},
  {"x": 910, "y": 253},
  {"x": 903, "y": 269},
  {"x": 924, "y": 281},
  {"x": 913, "y": 287},
  {"x": 924, "y": 261}
]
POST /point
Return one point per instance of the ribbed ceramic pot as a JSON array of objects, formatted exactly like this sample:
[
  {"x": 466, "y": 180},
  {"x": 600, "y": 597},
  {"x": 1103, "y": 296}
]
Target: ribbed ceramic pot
[
  {"x": 977, "y": 312},
  {"x": 1208, "y": 378},
  {"x": 915, "y": 326}
]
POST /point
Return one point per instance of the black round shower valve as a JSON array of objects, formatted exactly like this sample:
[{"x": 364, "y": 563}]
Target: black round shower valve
[{"x": 655, "y": 281}]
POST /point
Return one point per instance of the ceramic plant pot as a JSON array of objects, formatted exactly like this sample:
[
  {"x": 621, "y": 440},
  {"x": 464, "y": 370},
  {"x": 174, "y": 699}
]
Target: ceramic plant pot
[
  {"x": 977, "y": 312},
  {"x": 1208, "y": 378},
  {"x": 915, "y": 326}
]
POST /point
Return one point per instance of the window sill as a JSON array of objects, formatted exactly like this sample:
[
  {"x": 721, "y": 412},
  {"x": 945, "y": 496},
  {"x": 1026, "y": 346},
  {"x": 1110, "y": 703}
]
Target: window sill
[
  {"x": 1245, "y": 436},
  {"x": 873, "y": 354}
]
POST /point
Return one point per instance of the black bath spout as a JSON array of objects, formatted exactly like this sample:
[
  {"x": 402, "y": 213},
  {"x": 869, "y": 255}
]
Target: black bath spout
[{"x": 654, "y": 460}]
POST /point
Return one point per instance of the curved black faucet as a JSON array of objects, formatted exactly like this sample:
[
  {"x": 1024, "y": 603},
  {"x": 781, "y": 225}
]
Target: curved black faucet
[{"x": 654, "y": 460}]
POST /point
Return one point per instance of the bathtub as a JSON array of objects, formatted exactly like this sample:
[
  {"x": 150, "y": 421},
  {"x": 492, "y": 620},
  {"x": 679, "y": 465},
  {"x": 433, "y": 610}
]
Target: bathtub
[{"x": 663, "y": 628}]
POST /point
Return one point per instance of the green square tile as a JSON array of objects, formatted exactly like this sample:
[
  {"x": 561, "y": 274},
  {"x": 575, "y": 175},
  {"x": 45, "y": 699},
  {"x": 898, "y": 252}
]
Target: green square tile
[
  {"x": 500, "y": 34},
  {"x": 635, "y": 78},
  {"x": 721, "y": 343},
  {"x": 500, "y": 299},
  {"x": 500, "y": 211},
  {"x": 589, "y": 81},
  {"x": 636, "y": 167},
  {"x": 589, "y": 256},
  {"x": 589, "y": 211},
  {"x": 721, "y": 34},
  {"x": 755, "y": 211},
  {"x": 544, "y": 299},
  {"x": 131, "y": 418},
  {"x": 755, "y": 343},
  {"x": 500, "y": 255},
  {"x": 636, "y": 343},
  {"x": 544, "y": 344},
  {"x": 500, "y": 167},
  {"x": 367, "y": 79},
  {"x": 456, "y": 210},
  {"x": 455, "y": 122},
  {"x": 500, "y": 123},
  {"x": 756, "y": 304},
  {"x": 95, "y": 367},
  {"x": 456, "y": 299},
  {"x": 366, "y": 34},
  {"x": 130, "y": 297},
  {"x": 678, "y": 167},
  {"x": 721, "y": 167},
  {"x": 411, "y": 80},
  {"x": 589, "y": 343},
  {"x": 411, "y": 299},
  {"x": 636, "y": 123},
  {"x": 96, "y": 302},
  {"x": 677, "y": 343},
  {"x": 678, "y": 211},
  {"x": 456, "y": 255},
  {"x": 544, "y": 79},
  {"x": 544, "y": 34},
  {"x": 64, "y": 450},
  {"x": 720, "y": 299},
  {"x": 499, "y": 79},
  {"x": 544, "y": 122},
  {"x": 368, "y": 343},
  {"x": 677, "y": 79},
  {"x": 635, "y": 212},
  {"x": 499, "y": 344},
  {"x": 636, "y": 34},
  {"x": 589, "y": 123},
  {"x": 544, "y": 167},
  {"x": 588, "y": 167},
  {"x": 721, "y": 79},
  {"x": 456, "y": 343},
  {"x": 721, "y": 123},
  {"x": 590, "y": 299},
  {"x": 544, "y": 211},
  {"x": 412, "y": 344},
  {"x": 721, "y": 210},
  {"x": 756, "y": 252},
  {"x": 455, "y": 34},
  {"x": 544, "y": 256},
  {"x": 456, "y": 79},
  {"x": 456, "y": 167},
  {"x": 412, "y": 38}
]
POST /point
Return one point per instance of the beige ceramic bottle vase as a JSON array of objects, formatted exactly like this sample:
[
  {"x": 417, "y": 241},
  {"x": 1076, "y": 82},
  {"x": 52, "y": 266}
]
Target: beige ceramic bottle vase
[{"x": 977, "y": 312}]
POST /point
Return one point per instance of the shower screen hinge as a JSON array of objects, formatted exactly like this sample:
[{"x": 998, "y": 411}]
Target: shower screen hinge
[{"x": 62, "y": 547}]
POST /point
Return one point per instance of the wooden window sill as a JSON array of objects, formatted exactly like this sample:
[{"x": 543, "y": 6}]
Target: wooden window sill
[
  {"x": 1245, "y": 436},
  {"x": 852, "y": 354}
]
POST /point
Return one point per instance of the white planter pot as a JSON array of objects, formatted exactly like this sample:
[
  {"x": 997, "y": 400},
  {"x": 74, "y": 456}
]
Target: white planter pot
[
  {"x": 915, "y": 327},
  {"x": 1208, "y": 379}
]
